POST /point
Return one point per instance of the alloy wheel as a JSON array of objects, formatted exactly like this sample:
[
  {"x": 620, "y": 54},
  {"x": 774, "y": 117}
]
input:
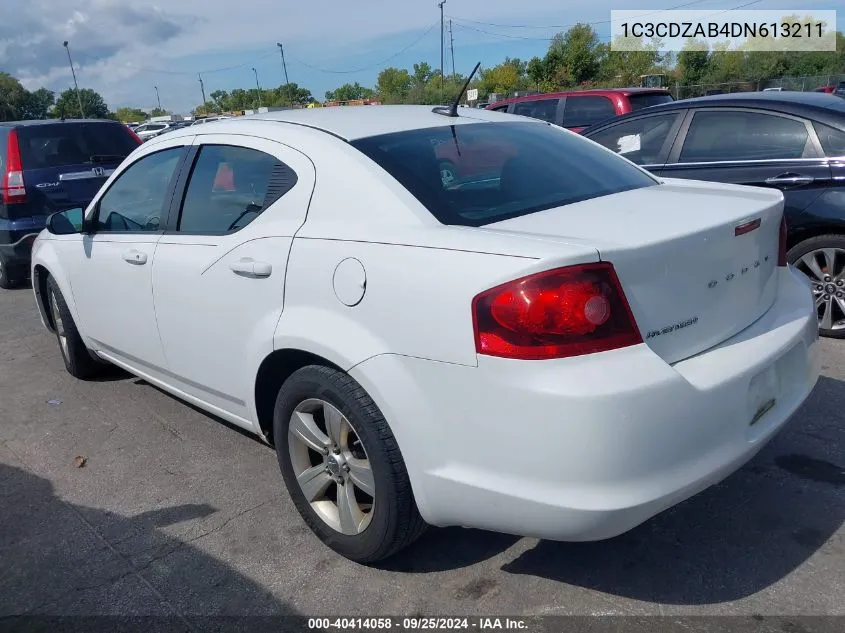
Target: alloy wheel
[
  {"x": 59, "y": 324},
  {"x": 825, "y": 268},
  {"x": 331, "y": 466}
]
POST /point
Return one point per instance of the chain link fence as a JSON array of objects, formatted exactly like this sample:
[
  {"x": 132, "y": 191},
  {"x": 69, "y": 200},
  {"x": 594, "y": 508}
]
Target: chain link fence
[{"x": 801, "y": 84}]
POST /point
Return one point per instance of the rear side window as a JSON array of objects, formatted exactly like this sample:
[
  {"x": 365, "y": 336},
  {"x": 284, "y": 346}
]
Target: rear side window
[
  {"x": 640, "y": 140},
  {"x": 499, "y": 171},
  {"x": 585, "y": 111},
  {"x": 640, "y": 101},
  {"x": 543, "y": 109},
  {"x": 732, "y": 135},
  {"x": 63, "y": 144},
  {"x": 230, "y": 186},
  {"x": 500, "y": 108},
  {"x": 832, "y": 140}
]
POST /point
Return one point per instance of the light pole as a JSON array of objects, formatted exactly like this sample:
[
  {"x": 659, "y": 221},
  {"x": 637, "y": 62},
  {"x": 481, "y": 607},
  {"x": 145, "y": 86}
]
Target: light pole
[
  {"x": 158, "y": 98},
  {"x": 284, "y": 66},
  {"x": 440, "y": 4},
  {"x": 76, "y": 85},
  {"x": 257, "y": 85}
]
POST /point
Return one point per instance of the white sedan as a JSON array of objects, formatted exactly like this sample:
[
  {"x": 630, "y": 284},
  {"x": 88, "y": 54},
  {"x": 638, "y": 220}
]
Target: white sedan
[{"x": 550, "y": 342}]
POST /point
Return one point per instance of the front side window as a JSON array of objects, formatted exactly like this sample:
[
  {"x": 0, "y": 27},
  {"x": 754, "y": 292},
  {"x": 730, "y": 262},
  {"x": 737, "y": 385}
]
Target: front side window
[
  {"x": 640, "y": 140},
  {"x": 587, "y": 110},
  {"x": 230, "y": 186},
  {"x": 543, "y": 109},
  {"x": 731, "y": 135},
  {"x": 501, "y": 170},
  {"x": 136, "y": 201}
]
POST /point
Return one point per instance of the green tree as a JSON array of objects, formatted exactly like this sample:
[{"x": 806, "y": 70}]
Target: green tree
[
  {"x": 578, "y": 52},
  {"x": 130, "y": 114},
  {"x": 13, "y": 97},
  {"x": 393, "y": 85},
  {"x": 349, "y": 92},
  {"x": 625, "y": 67},
  {"x": 692, "y": 62},
  {"x": 37, "y": 104},
  {"x": 507, "y": 77},
  {"x": 93, "y": 106},
  {"x": 158, "y": 112},
  {"x": 292, "y": 94}
]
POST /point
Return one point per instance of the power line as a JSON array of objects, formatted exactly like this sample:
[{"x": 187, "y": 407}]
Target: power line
[
  {"x": 371, "y": 66},
  {"x": 603, "y": 38}
]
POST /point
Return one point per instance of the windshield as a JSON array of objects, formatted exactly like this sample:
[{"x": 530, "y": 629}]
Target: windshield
[
  {"x": 63, "y": 144},
  {"x": 481, "y": 173},
  {"x": 640, "y": 101}
]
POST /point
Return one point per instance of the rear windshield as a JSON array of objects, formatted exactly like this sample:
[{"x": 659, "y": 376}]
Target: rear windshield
[
  {"x": 640, "y": 101},
  {"x": 63, "y": 144},
  {"x": 481, "y": 173}
]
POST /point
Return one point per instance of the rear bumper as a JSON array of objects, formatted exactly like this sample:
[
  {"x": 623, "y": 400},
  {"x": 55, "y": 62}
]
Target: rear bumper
[
  {"x": 16, "y": 239},
  {"x": 588, "y": 448}
]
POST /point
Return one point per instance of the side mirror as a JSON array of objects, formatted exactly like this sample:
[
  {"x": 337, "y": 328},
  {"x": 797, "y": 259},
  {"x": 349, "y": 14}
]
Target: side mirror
[{"x": 66, "y": 222}]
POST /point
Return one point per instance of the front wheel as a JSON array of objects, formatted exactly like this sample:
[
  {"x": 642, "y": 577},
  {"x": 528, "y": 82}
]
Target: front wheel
[
  {"x": 342, "y": 466},
  {"x": 79, "y": 361},
  {"x": 822, "y": 260}
]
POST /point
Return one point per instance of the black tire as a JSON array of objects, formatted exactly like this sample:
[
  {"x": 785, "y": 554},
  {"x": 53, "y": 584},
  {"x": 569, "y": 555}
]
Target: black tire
[
  {"x": 837, "y": 277},
  {"x": 395, "y": 522},
  {"x": 6, "y": 282},
  {"x": 79, "y": 361}
]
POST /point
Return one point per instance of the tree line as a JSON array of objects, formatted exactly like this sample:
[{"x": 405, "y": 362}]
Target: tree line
[{"x": 576, "y": 58}]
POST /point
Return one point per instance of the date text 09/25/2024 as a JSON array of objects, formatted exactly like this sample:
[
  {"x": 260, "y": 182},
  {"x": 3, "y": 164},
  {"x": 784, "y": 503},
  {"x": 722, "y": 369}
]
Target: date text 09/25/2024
[{"x": 418, "y": 624}]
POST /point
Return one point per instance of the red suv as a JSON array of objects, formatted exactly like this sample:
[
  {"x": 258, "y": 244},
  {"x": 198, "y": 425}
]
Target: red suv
[{"x": 579, "y": 109}]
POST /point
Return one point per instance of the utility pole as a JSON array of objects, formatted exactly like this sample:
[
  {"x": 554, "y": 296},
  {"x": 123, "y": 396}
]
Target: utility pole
[
  {"x": 452, "y": 48},
  {"x": 257, "y": 86},
  {"x": 76, "y": 85},
  {"x": 440, "y": 4},
  {"x": 284, "y": 67},
  {"x": 158, "y": 98},
  {"x": 202, "y": 87}
]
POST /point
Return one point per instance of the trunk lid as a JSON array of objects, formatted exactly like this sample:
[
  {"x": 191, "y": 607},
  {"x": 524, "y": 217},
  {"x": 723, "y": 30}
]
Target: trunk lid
[{"x": 691, "y": 281}]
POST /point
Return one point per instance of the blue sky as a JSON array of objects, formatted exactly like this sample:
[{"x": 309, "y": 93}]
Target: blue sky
[{"x": 123, "y": 49}]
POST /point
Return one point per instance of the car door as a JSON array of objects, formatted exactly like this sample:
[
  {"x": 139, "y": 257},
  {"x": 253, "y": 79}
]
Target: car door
[
  {"x": 219, "y": 271},
  {"x": 644, "y": 140},
  {"x": 752, "y": 147},
  {"x": 110, "y": 265}
]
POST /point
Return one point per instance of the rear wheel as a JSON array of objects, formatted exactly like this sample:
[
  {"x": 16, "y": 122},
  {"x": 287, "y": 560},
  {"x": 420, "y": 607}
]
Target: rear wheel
[
  {"x": 822, "y": 260},
  {"x": 342, "y": 466},
  {"x": 79, "y": 361}
]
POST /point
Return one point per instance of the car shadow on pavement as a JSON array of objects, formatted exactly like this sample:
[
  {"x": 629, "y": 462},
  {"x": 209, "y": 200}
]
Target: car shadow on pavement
[
  {"x": 732, "y": 540},
  {"x": 61, "y": 559}
]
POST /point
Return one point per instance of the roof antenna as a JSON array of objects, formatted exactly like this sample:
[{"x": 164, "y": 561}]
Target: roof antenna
[{"x": 452, "y": 110}]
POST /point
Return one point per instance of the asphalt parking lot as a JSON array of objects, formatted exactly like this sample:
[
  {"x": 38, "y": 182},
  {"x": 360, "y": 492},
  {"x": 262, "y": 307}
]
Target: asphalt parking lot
[{"x": 178, "y": 513}]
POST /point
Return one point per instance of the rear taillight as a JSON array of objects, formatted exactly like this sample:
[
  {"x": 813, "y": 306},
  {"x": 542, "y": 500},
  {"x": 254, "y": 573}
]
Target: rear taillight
[
  {"x": 555, "y": 314},
  {"x": 782, "y": 243},
  {"x": 13, "y": 185}
]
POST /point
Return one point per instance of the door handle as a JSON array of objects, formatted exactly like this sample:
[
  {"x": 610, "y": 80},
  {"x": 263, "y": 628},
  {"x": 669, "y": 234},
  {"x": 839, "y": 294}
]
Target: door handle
[
  {"x": 135, "y": 257},
  {"x": 789, "y": 180},
  {"x": 248, "y": 267}
]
